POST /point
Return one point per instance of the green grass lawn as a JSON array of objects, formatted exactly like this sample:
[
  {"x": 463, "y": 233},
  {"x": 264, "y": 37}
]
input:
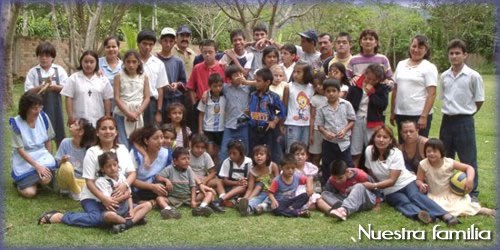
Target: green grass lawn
[{"x": 231, "y": 230}]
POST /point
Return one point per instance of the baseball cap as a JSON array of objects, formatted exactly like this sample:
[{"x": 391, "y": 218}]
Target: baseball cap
[
  {"x": 184, "y": 29},
  {"x": 167, "y": 31},
  {"x": 310, "y": 34}
]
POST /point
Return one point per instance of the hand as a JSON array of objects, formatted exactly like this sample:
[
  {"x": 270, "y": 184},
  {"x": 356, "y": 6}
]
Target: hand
[
  {"x": 311, "y": 139},
  {"x": 64, "y": 159},
  {"x": 393, "y": 119},
  {"x": 354, "y": 80},
  {"x": 424, "y": 188},
  {"x": 468, "y": 186},
  {"x": 282, "y": 130},
  {"x": 54, "y": 88},
  {"x": 194, "y": 204},
  {"x": 329, "y": 135},
  {"x": 204, "y": 97},
  {"x": 71, "y": 120},
  {"x": 174, "y": 85},
  {"x": 261, "y": 43},
  {"x": 274, "y": 204},
  {"x": 243, "y": 182},
  {"x": 271, "y": 125},
  {"x": 368, "y": 88},
  {"x": 341, "y": 134},
  {"x": 109, "y": 203},
  {"x": 43, "y": 172},
  {"x": 120, "y": 189},
  {"x": 230, "y": 53},
  {"x": 130, "y": 214},
  {"x": 158, "y": 117},
  {"x": 240, "y": 79},
  {"x": 422, "y": 122},
  {"x": 159, "y": 189},
  {"x": 169, "y": 186}
]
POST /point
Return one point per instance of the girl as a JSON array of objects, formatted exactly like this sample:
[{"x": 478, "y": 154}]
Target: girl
[
  {"x": 70, "y": 157},
  {"x": 270, "y": 56},
  {"x": 288, "y": 59},
  {"x": 131, "y": 92},
  {"x": 299, "y": 150},
  {"x": 87, "y": 95},
  {"x": 169, "y": 136},
  {"x": 413, "y": 145},
  {"x": 297, "y": 102},
  {"x": 175, "y": 117},
  {"x": 125, "y": 215},
  {"x": 110, "y": 64},
  {"x": 436, "y": 170},
  {"x": 261, "y": 174},
  {"x": 384, "y": 162},
  {"x": 278, "y": 86},
  {"x": 317, "y": 101},
  {"x": 337, "y": 71}
]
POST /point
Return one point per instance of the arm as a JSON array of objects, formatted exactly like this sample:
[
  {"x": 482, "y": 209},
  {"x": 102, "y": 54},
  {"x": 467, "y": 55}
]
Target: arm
[
  {"x": 200, "y": 122},
  {"x": 107, "y": 107},
  {"x": 157, "y": 188},
  {"x": 393, "y": 104},
  {"x": 341, "y": 133},
  {"x": 227, "y": 182},
  {"x": 41, "y": 170},
  {"x": 424, "y": 188},
  {"x": 159, "y": 105},
  {"x": 478, "y": 106},
  {"x": 193, "y": 197},
  {"x": 211, "y": 175},
  {"x": 251, "y": 185},
  {"x": 429, "y": 102},
  {"x": 69, "y": 110},
  {"x": 469, "y": 170},
  {"x": 312, "y": 119},
  {"x": 116, "y": 95},
  {"x": 286, "y": 95},
  {"x": 168, "y": 183},
  {"x": 145, "y": 101},
  {"x": 309, "y": 186},
  {"x": 108, "y": 202},
  {"x": 274, "y": 202}
]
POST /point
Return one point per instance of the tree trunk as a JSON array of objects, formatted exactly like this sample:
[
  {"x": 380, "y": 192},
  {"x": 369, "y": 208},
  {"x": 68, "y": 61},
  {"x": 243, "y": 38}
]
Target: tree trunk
[
  {"x": 92, "y": 27},
  {"x": 10, "y": 13}
]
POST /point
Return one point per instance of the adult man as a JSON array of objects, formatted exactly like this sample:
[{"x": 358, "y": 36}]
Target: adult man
[
  {"x": 307, "y": 50},
  {"x": 325, "y": 48},
  {"x": 157, "y": 75},
  {"x": 462, "y": 94},
  {"x": 343, "y": 54},
  {"x": 182, "y": 49}
]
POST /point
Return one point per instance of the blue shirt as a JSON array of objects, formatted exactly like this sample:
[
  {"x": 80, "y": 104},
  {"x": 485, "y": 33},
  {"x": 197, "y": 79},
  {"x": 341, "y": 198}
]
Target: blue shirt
[
  {"x": 106, "y": 69},
  {"x": 264, "y": 108},
  {"x": 236, "y": 103},
  {"x": 175, "y": 73}
]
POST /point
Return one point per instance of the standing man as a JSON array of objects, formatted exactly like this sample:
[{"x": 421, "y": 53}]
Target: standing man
[
  {"x": 182, "y": 49},
  {"x": 307, "y": 50},
  {"x": 343, "y": 44},
  {"x": 157, "y": 75},
  {"x": 325, "y": 42},
  {"x": 462, "y": 95}
]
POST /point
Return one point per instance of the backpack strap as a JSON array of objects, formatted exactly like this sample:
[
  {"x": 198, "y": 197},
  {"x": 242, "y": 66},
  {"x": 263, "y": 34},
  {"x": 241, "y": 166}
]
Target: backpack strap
[
  {"x": 56, "y": 75},
  {"x": 111, "y": 184},
  {"x": 232, "y": 170},
  {"x": 39, "y": 74}
]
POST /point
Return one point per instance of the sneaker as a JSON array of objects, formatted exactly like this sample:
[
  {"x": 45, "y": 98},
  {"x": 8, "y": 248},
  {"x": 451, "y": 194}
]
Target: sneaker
[
  {"x": 450, "y": 220},
  {"x": 243, "y": 207},
  {"x": 340, "y": 213},
  {"x": 75, "y": 196},
  {"x": 424, "y": 217},
  {"x": 216, "y": 206},
  {"x": 259, "y": 210},
  {"x": 202, "y": 211},
  {"x": 118, "y": 228},
  {"x": 227, "y": 203},
  {"x": 170, "y": 214},
  {"x": 304, "y": 213}
]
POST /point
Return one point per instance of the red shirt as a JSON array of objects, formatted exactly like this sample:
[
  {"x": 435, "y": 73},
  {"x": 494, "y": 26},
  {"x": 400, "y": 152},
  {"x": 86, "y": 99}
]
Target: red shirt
[
  {"x": 198, "y": 81},
  {"x": 359, "y": 177}
]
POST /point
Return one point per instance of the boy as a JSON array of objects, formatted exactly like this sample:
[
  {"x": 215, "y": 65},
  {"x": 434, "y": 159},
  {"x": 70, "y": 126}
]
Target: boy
[
  {"x": 238, "y": 55},
  {"x": 283, "y": 188},
  {"x": 462, "y": 94},
  {"x": 257, "y": 46},
  {"x": 334, "y": 122},
  {"x": 181, "y": 183},
  {"x": 345, "y": 192},
  {"x": 266, "y": 112},
  {"x": 46, "y": 79}
]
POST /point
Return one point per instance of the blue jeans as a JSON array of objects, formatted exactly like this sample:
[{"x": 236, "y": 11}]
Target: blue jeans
[
  {"x": 330, "y": 152},
  {"x": 423, "y": 132},
  {"x": 256, "y": 200},
  {"x": 150, "y": 111},
  {"x": 291, "y": 207},
  {"x": 241, "y": 133},
  {"x": 296, "y": 133},
  {"x": 120, "y": 123},
  {"x": 409, "y": 201},
  {"x": 92, "y": 217},
  {"x": 459, "y": 136}
]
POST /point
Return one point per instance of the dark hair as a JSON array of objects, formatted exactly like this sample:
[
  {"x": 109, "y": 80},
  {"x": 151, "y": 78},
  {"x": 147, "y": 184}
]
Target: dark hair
[
  {"x": 109, "y": 38},
  {"x": 265, "y": 74},
  {"x": 199, "y": 138},
  {"x": 320, "y": 76},
  {"x": 288, "y": 159},
  {"x": 89, "y": 134},
  {"x": 421, "y": 41},
  {"x": 140, "y": 68},
  {"x": 237, "y": 32},
  {"x": 338, "y": 167},
  {"x": 172, "y": 107},
  {"x": 435, "y": 144},
  {"x": 341, "y": 67},
  {"x": 308, "y": 71},
  {"x": 457, "y": 43},
  {"x": 262, "y": 148},
  {"x": 208, "y": 43},
  {"x": 214, "y": 78},
  {"x": 140, "y": 135},
  {"x": 290, "y": 48},
  {"x": 98, "y": 125},
  {"x": 329, "y": 83},
  {"x": 92, "y": 54},
  {"x": 377, "y": 70},
  {"x": 148, "y": 35},
  {"x": 238, "y": 145},
  {"x": 178, "y": 151},
  {"x": 343, "y": 33},
  {"x": 168, "y": 128},
  {"x": 27, "y": 101},
  {"x": 393, "y": 144},
  {"x": 268, "y": 50},
  {"x": 45, "y": 48},
  {"x": 231, "y": 70},
  {"x": 368, "y": 32},
  {"x": 259, "y": 27},
  {"x": 296, "y": 146},
  {"x": 410, "y": 122},
  {"x": 330, "y": 38},
  {"x": 105, "y": 157}
]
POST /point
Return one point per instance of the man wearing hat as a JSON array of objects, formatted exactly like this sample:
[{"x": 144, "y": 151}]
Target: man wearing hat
[
  {"x": 182, "y": 49},
  {"x": 307, "y": 50},
  {"x": 174, "y": 67}
]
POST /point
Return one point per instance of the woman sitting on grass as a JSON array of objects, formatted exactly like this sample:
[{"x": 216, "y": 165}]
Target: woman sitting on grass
[{"x": 413, "y": 145}]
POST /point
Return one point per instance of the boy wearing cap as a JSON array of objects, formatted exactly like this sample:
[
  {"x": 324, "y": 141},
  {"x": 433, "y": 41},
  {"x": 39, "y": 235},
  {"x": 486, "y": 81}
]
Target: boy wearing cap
[
  {"x": 157, "y": 75},
  {"x": 182, "y": 49},
  {"x": 174, "y": 67},
  {"x": 307, "y": 50}
]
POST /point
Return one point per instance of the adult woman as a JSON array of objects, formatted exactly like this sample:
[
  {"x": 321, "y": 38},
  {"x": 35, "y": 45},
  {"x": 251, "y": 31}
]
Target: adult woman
[
  {"x": 385, "y": 163},
  {"x": 93, "y": 201},
  {"x": 415, "y": 91},
  {"x": 32, "y": 162},
  {"x": 110, "y": 64},
  {"x": 413, "y": 145}
]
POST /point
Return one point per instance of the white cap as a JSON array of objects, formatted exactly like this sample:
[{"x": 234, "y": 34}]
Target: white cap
[{"x": 167, "y": 31}]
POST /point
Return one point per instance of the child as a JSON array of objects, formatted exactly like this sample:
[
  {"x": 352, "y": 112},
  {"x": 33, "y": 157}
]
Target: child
[
  {"x": 126, "y": 215},
  {"x": 181, "y": 183},
  {"x": 266, "y": 113},
  {"x": 337, "y": 71},
  {"x": 261, "y": 174},
  {"x": 87, "y": 94},
  {"x": 436, "y": 170},
  {"x": 298, "y": 104},
  {"x": 131, "y": 92},
  {"x": 299, "y": 151},
  {"x": 317, "y": 101},
  {"x": 345, "y": 193},
  {"x": 175, "y": 115},
  {"x": 70, "y": 156},
  {"x": 369, "y": 99},
  {"x": 238, "y": 55},
  {"x": 278, "y": 86},
  {"x": 211, "y": 116},
  {"x": 234, "y": 173},
  {"x": 204, "y": 167},
  {"x": 45, "y": 79},
  {"x": 270, "y": 56},
  {"x": 334, "y": 122},
  {"x": 288, "y": 58},
  {"x": 283, "y": 188}
]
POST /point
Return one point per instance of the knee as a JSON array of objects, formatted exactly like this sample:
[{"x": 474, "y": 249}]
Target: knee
[
  {"x": 29, "y": 192},
  {"x": 45, "y": 181}
]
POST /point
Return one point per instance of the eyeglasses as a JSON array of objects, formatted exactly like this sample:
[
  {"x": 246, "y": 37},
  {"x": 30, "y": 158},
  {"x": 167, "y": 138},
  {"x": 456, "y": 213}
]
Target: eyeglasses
[{"x": 37, "y": 107}]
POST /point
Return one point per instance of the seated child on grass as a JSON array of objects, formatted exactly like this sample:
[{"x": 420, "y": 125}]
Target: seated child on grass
[{"x": 299, "y": 150}]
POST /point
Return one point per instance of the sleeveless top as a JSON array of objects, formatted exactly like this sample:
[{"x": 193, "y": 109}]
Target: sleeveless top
[
  {"x": 412, "y": 164},
  {"x": 265, "y": 179}
]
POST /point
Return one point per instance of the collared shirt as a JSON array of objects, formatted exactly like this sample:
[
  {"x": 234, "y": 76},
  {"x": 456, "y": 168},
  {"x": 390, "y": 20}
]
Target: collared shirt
[
  {"x": 461, "y": 92},
  {"x": 263, "y": 108},
  {"x": 187, "y": 58},
  {"x": 334, "y": 120},
  {"x": 237, "y": 98},
  {"x": 199, "y": 77},
  {"x": 32, "y": 80},
  {"x": 108, "y": 71},
  {"x": 157, "y": 75}
]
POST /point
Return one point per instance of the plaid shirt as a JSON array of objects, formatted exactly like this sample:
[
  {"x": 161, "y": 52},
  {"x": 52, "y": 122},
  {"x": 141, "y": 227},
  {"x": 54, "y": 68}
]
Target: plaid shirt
[{"x": 264, "y": 108}]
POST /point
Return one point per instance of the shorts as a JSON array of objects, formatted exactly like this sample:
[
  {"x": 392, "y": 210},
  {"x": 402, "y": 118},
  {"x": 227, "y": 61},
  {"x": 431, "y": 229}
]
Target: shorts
[
  {"x": 177, "y": 202},
  {"x": 31, "y": 180},
  {"x": 315, "y": 148},
  {"x": 360, "y": 135},
  {"x": 214, "y": 137},
  {"x": 143, "y": 195}
]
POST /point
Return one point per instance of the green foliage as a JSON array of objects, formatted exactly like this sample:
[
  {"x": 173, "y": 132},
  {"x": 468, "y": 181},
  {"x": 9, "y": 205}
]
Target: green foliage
[{"x": 130, "y": 36}]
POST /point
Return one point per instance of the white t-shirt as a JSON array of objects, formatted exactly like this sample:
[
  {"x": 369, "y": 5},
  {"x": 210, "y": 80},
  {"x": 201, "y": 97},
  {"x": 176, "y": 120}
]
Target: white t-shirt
[
  {"x": 412, "y": 83},
  {"x": 157, "y": 75},
  {"x": 318, "y": 101},
  {"x": 91, "y": 166},
  {"x": 76, "y": 155},
  {"x": 213, "y": 119},
  {"x": 288, "y": 71},
  {"x": 246, "y": 54},
  {"x": 32, "y": 80},
  {"x": 88, "y": 95},
  {"x": 201, "y": 165},
  {"x": 224, "y": 170},
  {"x": 298, "y": 104},
  {"x": 381, "y": 169}
]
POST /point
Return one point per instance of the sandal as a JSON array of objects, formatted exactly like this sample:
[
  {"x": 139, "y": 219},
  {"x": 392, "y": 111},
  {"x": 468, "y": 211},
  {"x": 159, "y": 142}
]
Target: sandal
[
  {"x": 424, "y": 217},
  {"x": 450, "y": 220},
  {"x": 45, "y": 217}
]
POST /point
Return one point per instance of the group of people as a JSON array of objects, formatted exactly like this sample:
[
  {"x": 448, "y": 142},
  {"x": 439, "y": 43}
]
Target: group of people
[{"x": 262, "y": 126}]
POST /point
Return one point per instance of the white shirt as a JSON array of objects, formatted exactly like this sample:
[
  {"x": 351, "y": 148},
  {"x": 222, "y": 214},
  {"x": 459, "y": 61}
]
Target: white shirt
[
  {"x": 224, "y": 170},
  {"x": 460, "y": 93},
  {"x": 157, "y": 75},
  {"x": 213, "y": 119},
  {"x": 288, "y": 71},
  {"x": 32, "y": 80},
  {"x": 246, "y": 54},
  {"x": 412, "y": 83},
  {"x": 299, "y": 104}
]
